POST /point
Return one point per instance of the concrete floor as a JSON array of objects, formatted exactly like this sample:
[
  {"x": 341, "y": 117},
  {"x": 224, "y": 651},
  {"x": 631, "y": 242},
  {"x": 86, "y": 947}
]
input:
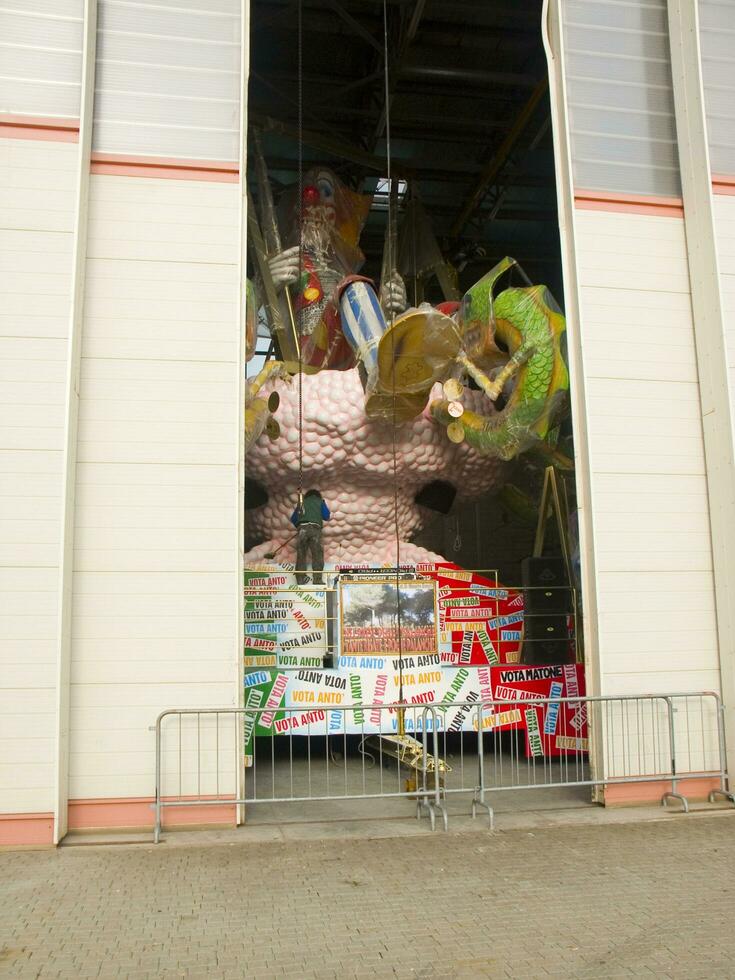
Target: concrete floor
[{"x": 590, "y": 899}]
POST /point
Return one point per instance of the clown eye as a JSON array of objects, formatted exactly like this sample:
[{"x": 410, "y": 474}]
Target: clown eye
[{"x": 325, "y": 189}]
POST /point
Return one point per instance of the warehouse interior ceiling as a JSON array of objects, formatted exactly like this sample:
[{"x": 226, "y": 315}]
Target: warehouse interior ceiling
[{"x": 469, "y": 118}]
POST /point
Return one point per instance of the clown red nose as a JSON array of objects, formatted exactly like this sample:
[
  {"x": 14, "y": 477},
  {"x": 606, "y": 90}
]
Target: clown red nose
[{"x": 310, "y": 196}]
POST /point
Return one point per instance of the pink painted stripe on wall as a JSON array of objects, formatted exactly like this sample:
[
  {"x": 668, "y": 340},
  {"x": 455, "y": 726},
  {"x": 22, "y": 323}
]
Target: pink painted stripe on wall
[
  {"x": 632, "y": 794},
  {"x": 137, "y": 812},
  {"x": 26, "y": 829},
  {"x": 722, "y": 184},
  {"x": 49, "y": 128},
  {"x": 672, "y": 207},
  {"x": 165, "y": 167}
]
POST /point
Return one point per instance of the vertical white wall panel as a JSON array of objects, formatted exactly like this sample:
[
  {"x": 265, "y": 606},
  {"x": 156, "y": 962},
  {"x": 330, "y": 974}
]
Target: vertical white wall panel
[
  {"x": 155, "y": 590},
  {"x": 620, "y": 98},
  {"x": 36, "y": 219},
  {"x": 717, "y": 41},
  {"x": 41, "y": 57},
  {"x": 724, "y": 212},
  {"x": 653, "y": 555},
  {"x": 168, "y": 79}
]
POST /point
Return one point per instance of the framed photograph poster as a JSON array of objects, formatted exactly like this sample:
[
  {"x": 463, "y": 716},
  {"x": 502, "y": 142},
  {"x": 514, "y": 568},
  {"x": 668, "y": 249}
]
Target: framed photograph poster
[{"x": 369, "y": 617}]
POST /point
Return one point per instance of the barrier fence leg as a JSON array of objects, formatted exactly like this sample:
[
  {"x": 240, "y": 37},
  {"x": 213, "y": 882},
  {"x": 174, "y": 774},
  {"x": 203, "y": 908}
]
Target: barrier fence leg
[
  {"x": 478, "y": 798},
  {"x": 438, "y": 803},
  {"x": 724, "y": 794},
  {"x": 157, "y": 807},
  {"x": 724, "y": 791},
  {"x": 672, "y": 794},
  {"x": 422, "y": 802}
]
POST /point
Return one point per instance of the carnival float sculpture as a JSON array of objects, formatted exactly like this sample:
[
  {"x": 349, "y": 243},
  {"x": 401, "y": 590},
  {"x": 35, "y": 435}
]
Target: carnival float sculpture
[{"x": 362, "y": 377}]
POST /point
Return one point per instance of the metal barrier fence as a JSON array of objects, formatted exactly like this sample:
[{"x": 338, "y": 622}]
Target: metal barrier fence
[{"x": 537, "y": 743}]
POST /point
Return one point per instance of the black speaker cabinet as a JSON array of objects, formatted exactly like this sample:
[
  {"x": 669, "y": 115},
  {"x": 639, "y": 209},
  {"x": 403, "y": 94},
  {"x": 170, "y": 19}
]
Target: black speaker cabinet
[
  {"x": 546, "y": 586},
  {"x": 545, "y": 640}
]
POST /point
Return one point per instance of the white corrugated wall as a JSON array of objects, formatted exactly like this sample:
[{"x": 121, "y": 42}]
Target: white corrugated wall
[
  {"x": 717, "y": 42},
  {"x": 155, "y": 560},
  {"x": 653, "y": 555},
  {"x": 156, "y": 545},
  {"x": 168, "y": 79},
  {"x": 724, "y": 208},
  {"x": 621, "y": 110},
  {"x": 717, "y": 39},
  {"x": 41, "y": 57},
  {"x": 651, "y": 536},
  {"x": 36, "y": 219},
  {"x": 155, "y": 585},
  {"x": 40, "y": 54}
]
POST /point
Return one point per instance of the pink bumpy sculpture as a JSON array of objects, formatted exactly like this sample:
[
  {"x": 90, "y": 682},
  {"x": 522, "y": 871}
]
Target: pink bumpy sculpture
[{"x": 350, "y": 459}]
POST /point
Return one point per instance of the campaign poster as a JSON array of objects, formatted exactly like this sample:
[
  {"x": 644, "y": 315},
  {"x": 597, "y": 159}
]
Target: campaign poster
[
  {"x": 476, "y": 621},
  {"x": 315, "y": 659},
  {"x": 285, "y": 626},
  {"x": 318, "y": 702},
  {"x": 552, "y": 729}
]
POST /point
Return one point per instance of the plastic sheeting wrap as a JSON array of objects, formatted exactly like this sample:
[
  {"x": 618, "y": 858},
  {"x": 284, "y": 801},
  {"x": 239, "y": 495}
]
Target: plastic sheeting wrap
[
  {"x": 418, "y": 251},
  {"x": 477, "y": 317},
  {"x": 326, "y": 223},
  {"x": 259, "y": 409},
  {"x": 529, "y": 324},
  {"x": 509, "y": 342},
  {"x": 417, "y": 350},
  {"x": 332, "y": 218}
]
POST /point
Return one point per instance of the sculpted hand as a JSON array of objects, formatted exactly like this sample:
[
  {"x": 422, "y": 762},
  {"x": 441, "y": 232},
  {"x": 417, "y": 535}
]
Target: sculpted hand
[
  {"x": 285, "y": 267},
  {"x": 393, "y": 295}
]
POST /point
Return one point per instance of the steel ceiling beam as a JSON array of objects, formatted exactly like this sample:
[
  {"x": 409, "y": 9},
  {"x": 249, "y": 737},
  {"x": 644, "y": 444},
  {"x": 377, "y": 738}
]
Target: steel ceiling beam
[
  {"x": 355, "y": 25},
  {"x": 325, "y": 144},
  {"x": 449, "y": 171},
  {"x": 404, "y": 118},
  {"x": 273, "y": 16},
  {"x": 434, "y": 35},
  {"x": 422, "y": 88},
  {"x": 464, "y": 15},
  {"x": 467, "y": 13},
  {"x": 504, "y": 214},
  {"x": 510, "y": 177},
  {"x": 396, "y": 65},
  {"x": 472, "y": 76},
  {"x": 350, "y": 87},
  {"x": 285, "y": 97},
  {"x": 487, "y": 176}
]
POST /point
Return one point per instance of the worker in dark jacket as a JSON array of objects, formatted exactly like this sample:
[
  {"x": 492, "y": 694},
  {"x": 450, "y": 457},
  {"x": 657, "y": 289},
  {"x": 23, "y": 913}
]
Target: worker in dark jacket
[{"x": 308, "y": 518}]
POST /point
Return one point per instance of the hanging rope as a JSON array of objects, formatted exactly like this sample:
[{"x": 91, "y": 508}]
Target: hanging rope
[
  {"x": 413, "y": 246},
  {"x": 300, "y": 123},
  {"x": 389, "y": 264}
]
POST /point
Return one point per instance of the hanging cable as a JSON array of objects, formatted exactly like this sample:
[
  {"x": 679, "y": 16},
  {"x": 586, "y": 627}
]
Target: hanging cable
[
  {"x": 457, "y": 543},
  {"x": 300, "y": 124},
  {"x": 413, "y": 246},
  {"x": 392, "y": 201}
]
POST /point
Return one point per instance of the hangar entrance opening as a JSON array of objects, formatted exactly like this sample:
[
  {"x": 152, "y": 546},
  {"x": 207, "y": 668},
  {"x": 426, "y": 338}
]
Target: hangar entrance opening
[{"x": 407, "y": 360}]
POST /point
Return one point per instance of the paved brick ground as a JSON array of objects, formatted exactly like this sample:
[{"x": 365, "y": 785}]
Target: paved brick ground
[{"x": 602, "y": 901}]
